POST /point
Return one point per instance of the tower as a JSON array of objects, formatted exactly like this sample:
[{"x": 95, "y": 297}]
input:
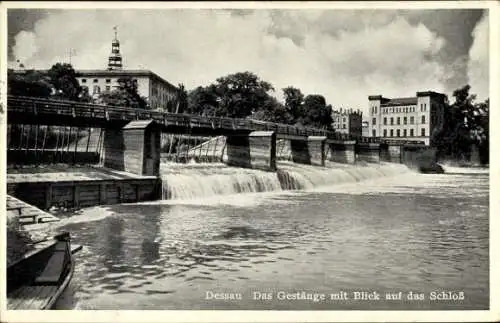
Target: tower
[{"x": 115, "y": 59}]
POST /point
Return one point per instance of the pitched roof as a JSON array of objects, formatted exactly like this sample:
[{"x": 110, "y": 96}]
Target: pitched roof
[{"x": 139, "y": 124}]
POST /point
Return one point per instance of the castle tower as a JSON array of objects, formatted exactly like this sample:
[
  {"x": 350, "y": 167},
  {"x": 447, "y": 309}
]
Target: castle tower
[{"x": 115, "y": 59}]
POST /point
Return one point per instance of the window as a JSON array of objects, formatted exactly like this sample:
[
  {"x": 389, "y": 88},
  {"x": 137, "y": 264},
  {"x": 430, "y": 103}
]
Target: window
[
  {"x": 108, "y": 80},
  {"x": 385, "y": 121},
  {"x": 84, "y": 80},
  {"x": 374, "y": 133},
  {"x": 399, "y": 120},
  {"x": 385, "y": 132},
  {"x": 411, "y": 133},
  {"x": 392, "y": 133},
  {"x": 405, "y": 120},
  {"x": 343, "y": 126},
  {"x": 423, "y": 119},
  {"x": 404, "y": 133},
  {"x": 398, "y": 133},
  {"x": 97, "y": 89},
  {"x": 392, "y": 121},
  {"x": 412, "y": 120},
  {"x": 108, "y": 87},
  {"x": 423, "y": 132},
  {"x": 96, "y": 80},
  {"x": 343, "y": 119},
  {"x": 374, "y": 121}
]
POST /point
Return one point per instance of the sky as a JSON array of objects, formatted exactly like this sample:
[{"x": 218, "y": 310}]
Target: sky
[{"x": 345, "y": 55}]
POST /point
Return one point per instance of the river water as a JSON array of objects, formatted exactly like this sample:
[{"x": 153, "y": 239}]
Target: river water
[{"x": 374, "y": 228}]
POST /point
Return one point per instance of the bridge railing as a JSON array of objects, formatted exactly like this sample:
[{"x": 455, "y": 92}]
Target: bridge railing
[{"x": 90, "y": 110}]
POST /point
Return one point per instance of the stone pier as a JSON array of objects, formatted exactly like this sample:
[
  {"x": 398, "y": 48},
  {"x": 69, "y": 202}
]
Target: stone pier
[
  {"x": 308, "y": 150},
  {"x": 341, "y": 151},
  {"x": 391, "y": 153},
  {"x": 368, "y": 152},
  {"x": 135, "y": 148},
  {"x": 255, "y": 150}
]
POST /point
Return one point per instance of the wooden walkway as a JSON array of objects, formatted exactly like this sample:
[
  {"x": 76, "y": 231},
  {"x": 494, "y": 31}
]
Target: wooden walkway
[{"x": 26, "y": 213}]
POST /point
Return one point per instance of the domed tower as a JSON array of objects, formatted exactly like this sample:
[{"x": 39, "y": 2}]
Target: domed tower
[{"x": 115, "y": 59}]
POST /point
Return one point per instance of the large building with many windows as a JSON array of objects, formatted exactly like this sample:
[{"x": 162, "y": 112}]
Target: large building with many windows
[
  {"x": 159, "y": 94},
  {"x": 408, "y": 119},
  {"x": 347, "y": 121}
]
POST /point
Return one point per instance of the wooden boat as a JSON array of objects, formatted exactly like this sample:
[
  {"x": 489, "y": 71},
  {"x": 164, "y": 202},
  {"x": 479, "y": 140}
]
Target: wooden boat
[{"x": 37, "y": 280}]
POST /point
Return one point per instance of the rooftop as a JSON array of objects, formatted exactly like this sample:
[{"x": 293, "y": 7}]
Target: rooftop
[
  {"x": 400, "y": 101},
  {"x": 105, "y": 72}
]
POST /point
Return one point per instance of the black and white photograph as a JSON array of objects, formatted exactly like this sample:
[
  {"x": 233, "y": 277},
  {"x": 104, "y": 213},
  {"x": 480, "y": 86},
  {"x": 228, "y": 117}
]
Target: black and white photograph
[{"x": 319, "y": 158}]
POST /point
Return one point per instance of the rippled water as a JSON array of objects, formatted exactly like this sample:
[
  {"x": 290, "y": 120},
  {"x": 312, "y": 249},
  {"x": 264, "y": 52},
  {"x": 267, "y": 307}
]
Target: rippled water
[{"x": 409, "y": 232}]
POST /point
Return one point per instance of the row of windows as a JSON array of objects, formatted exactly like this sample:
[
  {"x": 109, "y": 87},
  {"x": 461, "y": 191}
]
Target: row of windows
[
  {"x": 398, "y": 133},
  {"x": 96, "y": 89},
  {"x": 398, "y": 110},
  {"x": 97, "y": 80},
  {"x": 423, "y": 107},
  {"x": 374, "y": 110},
  {"x": 337, "y": 126},
  {"x": 398, "y": 120}
]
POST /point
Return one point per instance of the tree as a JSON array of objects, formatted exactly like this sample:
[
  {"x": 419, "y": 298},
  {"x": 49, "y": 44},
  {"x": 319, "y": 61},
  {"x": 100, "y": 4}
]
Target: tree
[
  {"x": 28, "y": 83},
  {"x": 203, "y": 101},
  {"x": 64, "y": 81},
  {"x": 126, "y": 95},
  {"x": 181, "y": 100},
  {"x": 466, "y": 124},
  {"x": 294, "y": 100},
  {"x": 317, "y": 113}
]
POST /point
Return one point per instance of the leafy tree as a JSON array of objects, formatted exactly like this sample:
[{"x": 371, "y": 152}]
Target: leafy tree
[
  {"x": 126, "y": 95},
  {"x": 272, "y": 111},
  {"x": 203, "y": 101},
  {"x": 63, "y": 80},
  {"x": 294, "y": 100},
  {"x": 317, "y": 113},
  {"x": 466, "y": 124},
  {"x": 28, "y": 83},
  {"x": 236, "y": 95},
  {"x": 181, "y": 101}
]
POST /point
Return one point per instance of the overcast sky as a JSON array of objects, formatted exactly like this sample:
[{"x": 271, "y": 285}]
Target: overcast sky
[{"x": 345, "y": 55}]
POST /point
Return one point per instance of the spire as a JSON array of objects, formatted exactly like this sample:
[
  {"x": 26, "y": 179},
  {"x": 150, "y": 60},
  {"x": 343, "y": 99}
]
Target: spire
[{"x": 115, "y": 59}]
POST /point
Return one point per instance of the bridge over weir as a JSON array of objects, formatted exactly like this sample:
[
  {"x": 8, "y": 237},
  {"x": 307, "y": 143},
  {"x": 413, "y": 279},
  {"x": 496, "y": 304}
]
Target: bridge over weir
[{"x": 132, "y": 136}]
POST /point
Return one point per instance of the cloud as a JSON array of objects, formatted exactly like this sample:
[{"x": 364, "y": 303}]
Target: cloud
[
  {"x": 478, "y": 69},
  {"x": 345, "y": 55}
]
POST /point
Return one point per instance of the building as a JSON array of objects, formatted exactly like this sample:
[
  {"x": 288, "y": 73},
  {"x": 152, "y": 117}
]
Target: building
[
  {"x": 409, "y": 119},
  {"x": 160, "y": 94},
  {"x": 347, "y": 121}
]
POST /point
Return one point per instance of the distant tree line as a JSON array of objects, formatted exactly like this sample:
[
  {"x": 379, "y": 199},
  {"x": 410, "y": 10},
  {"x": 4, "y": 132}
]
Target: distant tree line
[{"x": 245, "y": 95}]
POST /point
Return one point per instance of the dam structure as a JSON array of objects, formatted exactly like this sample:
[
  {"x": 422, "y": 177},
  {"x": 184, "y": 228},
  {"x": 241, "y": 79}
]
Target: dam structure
[{"x": 120, "y": 158}]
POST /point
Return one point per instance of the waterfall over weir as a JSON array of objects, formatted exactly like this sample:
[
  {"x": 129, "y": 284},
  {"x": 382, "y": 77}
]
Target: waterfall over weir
[{"x": 188, "y": 181}]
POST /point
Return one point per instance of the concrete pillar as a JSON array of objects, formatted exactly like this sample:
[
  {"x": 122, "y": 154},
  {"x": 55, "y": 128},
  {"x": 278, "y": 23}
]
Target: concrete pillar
[
  {"x": 308, "y": 150},
  {"x": 391, "y": 153},
  {"x": 135, "y": 148},
  {"x": 341, "y": 151},
  {"x": 368, "y": 152},
  {"x": 255, "y": 150},
  {"x": 421, "y": 157}
]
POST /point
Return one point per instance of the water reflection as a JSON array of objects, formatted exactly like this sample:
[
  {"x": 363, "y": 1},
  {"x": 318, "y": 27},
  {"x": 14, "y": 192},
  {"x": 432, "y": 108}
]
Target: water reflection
[{"x": 166, "y": 255}]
